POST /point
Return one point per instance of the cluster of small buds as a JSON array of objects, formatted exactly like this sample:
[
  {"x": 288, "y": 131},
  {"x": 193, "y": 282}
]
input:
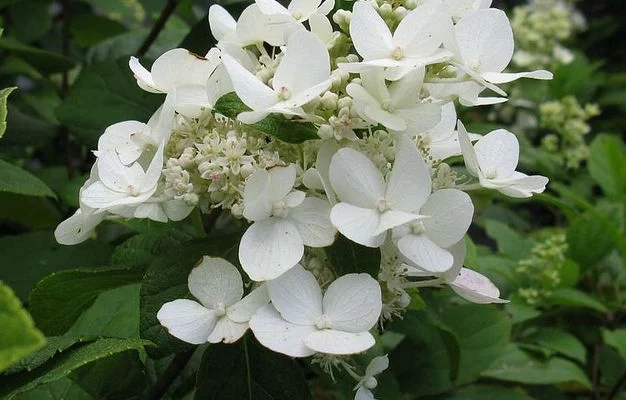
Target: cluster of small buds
[
  {"x": 568, "y": 124},
  {"x": 541, "y": 271}
]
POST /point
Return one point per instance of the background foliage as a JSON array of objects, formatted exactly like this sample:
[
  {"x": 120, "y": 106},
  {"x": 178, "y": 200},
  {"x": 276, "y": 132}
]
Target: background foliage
[{"x": 79, "y": 322}]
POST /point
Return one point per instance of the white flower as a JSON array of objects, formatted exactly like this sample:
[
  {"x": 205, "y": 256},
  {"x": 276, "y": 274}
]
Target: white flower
[
  {"x": 368, "y": 382},
  {"x": 460, "y": 8},
  {"x": 284, "y": 221},
  {"x": 321, "y": 26},
  {"x": 369, "y": 205},
  {"x": 493, "y": 160},
  {"x": 303, "y": 74},
  {"x": 301, "y": 322},
  {"x": 396, "y": 106},
  {"x": 221, "y": 314},
  {"x": 183, "y": 75},
  {"x": 300, "y": 10},
  {"x": 415, "y": 42}
]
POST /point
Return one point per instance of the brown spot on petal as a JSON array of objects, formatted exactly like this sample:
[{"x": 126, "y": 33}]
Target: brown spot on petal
[{"x": 199, "y": 57}]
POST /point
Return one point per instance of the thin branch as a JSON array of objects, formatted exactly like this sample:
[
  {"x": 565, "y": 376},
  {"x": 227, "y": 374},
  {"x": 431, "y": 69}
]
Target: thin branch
[
  {"x": 167, "y": 12},
  {"x": 66, "y": 141},
  {"x": 174, "y": 369}
]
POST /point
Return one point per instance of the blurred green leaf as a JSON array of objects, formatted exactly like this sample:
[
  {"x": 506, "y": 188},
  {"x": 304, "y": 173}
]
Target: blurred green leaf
[
  {"x": 16, "y": 180},
  {"x": 45, "y": 61},
  {"x": 617, "y": 339},
  {"x": 587, "y": 241},
  {"x": 490, "y": 392},
  {"x": 348, "y": 257},
  {"x": 18, "y": 336},
  {"x": 575, "y": 298},
  {"x": 510, "y": 243},
  {"x": 559, "y": 341},
  {"x": 88, "y": 29},
  {"x": 607, "y": 165},
  {"x": 38, "y": 15},
  {"x": 4, "y": 95}
]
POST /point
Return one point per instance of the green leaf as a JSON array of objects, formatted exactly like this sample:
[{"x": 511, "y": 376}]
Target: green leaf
[
  {"x": 516, "y": 365},
  {"x": 66, "y": 363},
  {"x": 587, "y": 241},
  {"x": 16, "y": 180},
  {"x": 88, "y": 29},
  {"x": 348, "y": 257},
  {"x": 18, "y": 336},
  {"x": 4, "y": 95},
  {"x": 616, "y": 339},
  {"x": 575, "y": 298},
  {"x": 166, "y": 280},
  {"x": 483, "y": 333},
  {"x": 104, "y": 94},
  {"x": 54, "y": 345},
  {"x": 520, "y": 311},
  {"x": 559, "y": 341},
  {"x": 45, "y": 61},
  {"x": 510, "y": 243},
  {"x": 491, "y": 392},
  {"x": 29, "y": 257},
  {"x": 607, "y": 165},
  {"x": 60, "y": 298},
  {"x": 276, "y": 126},
  {"x": 37, "y": 213},
  {"x": 62, "y": 389},
  {"x": 246, "y": 370}
]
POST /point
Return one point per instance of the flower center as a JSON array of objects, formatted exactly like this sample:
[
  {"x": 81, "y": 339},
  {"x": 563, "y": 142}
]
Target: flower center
[
  {"x": 132, "y": 191},
  {"x": 490, "y": 173},
  {"x": 280, "y": 209},
  {"x": 417, "y": 228},
  {"x": 296, "y": 15},
  {"x": 284, "y": 93},
  {"x": 323, "y": 322},
  {"x": 386, "y": 105},
  {"x": 219, "y": 308},
  {"x": 397, "y": 53},
  {"x": 475, "y": 65},
  {"x": 382, "y": 205}
]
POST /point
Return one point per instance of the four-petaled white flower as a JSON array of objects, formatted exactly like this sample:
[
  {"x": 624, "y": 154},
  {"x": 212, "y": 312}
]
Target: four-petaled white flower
[
  {"x": 415, "y": 42},
  {"x": 284, "y": 222},
  {"x": 301, "y": 322},
  {"x": 221, "y": 314},
  {"x": 303, "y": 74},
  {"x": 493, "y": 160},
  {"x": 368, "y": 382}
]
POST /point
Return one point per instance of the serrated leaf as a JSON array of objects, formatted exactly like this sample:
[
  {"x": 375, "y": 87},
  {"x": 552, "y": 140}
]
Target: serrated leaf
[
  {"x": 607, "y": 165},
  {"x": 66, "y": 363},
  {"x": 348, "y": 257},
  {"x": 45, "y": 61},
  {"x": 54, "y": 345},
  {"x": 516, "y": 365},
  {"x": 18, "y": 335},
  {"x": 59, "y": 299},
  {"x": 4, "y": 95},
  {"x": 16, "y": 180},
  {"x": 287, "y": 130},
  {"x": 246, "y": 370}
]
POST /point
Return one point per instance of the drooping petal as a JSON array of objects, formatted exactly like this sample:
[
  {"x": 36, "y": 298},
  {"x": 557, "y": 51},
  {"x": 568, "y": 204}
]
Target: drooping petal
[
  {"x": 357, "y": 224},
  {"x": 330, "y": 341},
  {"x": 495, "y": 77},
  {"x": 497, "y": 153},
  {"x": 312, "y": 220},
  {"x": 425, "y": 253},
  {"x": 254, "y": 93},
  {"x": 409, "y": 184},
  {"x": 273, "y": 332},
  {"x": 269, "y": 248},
  {"x": 469, "y": 154},
  {"x": 475, "y": 287},
  {"x": 421, "y": 117},
  {"x": 320, "y": 25},
  {"x": 375, "y": 112},
  {"x": 143, "y": 76},
  {"x": 245, "y": 308},
  {"x": 297, "y": 296},
  {"x": 370, "y": 35},
  {"x": 187, "y": 320},
  {"x": 216, "y": 283},
  {"x": 227, "y": 331},
  {"x": 180, "y": 67},
  {"x": 450, "y": 212},
  {"x": 355, "y": 179},
  {"x": 77, "y": 228},
  {"x": 118, "y": 138},
  {"x": 523, "y": 186},
  {"x": 353, "y": 303},
  {"x": 176, "y": 210},
  {"x": 458, "y": 251},
  {"x": 150, "y": 210}
]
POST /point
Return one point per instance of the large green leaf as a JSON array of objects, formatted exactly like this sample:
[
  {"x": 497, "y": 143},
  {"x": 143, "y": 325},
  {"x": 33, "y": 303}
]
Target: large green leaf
[
  {"x": 607, "y": 165},
  {"x": 29, "y": 257},
  {"x": 575, "y": 298},
  {"x": 276, "y": 126},
  {"x": 104, "y": 94},
  {"x": 18, "y": 335},
  {"x": 66, "y": 363},
  {"x": 510, "y": 243},
  {"x": 616, "y": 339},
  {"x": 16, "y": 180},
  {"x": 54, "y": 345},
  {"x": 348, "y": 257},
  {"x": 560, "y": 342},
  {"x": 515, "y": 365},
  {"x": 45, "y": 61},
  {"x": 483, "y": 333},
  {"x": 62, "y": 389},
  {"x": 588, "y": 242},
  {"x": 166, "y": 280},
  {"x": 246, "y": 370},
  {"x": 60, "y": 298},
  {"x": 4, "y": 95}
]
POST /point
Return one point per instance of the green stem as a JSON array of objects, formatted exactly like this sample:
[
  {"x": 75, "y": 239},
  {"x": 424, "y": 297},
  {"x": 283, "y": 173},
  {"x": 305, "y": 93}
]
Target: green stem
[
  {"x": 247, "y": 356},
  {"x": 198, "y": 222}
]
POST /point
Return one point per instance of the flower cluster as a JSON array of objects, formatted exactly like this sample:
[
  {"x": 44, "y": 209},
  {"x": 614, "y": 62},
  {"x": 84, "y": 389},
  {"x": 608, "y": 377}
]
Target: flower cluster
[{"x": 380, "y": 88}]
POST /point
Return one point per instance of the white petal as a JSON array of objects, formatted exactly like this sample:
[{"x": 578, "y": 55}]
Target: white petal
[
  {"x": 375, "y": 112},
  {"x": 421, "y": 117},
  {"x": 475, "y": 287},
  {"x": 219, "y": 84},
  {"x": 355, "y": 179},
  {"x": 364, "y": 393},
  {"x": 271, "y": 7},
  {"x": 370, "y": 35},
  {"x": 498, "y": 153},
  {"x": 215, "y": 282},
  {"x": 409, "y": 184},
  {"x": 143, "y": 76},
  {"x": 320, "y": 25},
  {"x": 357, "y": 224},
  {"x": 391, "y": 218},
  {"x": 273, "y": 332},
  {"x": 77, "y": 228},
  {"x": 469, "y": 154},
  {"x": 282, "y": 180},
  {"x": 297, "y": 296},
  {"x": 377, "y": 365},
  {"x": 269, "y": 248},
  {"x": 255, "y": 199},
  {"x": 191, "y": 100},
  {"x": 117, "y": 137},
  {"x": 425, "y": 253},
  {"x": 187, "y": 320},
  {"x": 252, "y": 117},
  {"x": 458, "y": 251},
  {"x": 221, "y": 22},
  {"x": 524, "y": 186},
  {"x": 176, "y": 210},
  {"x": 305, "y": 64},
  {"x": 422, "y": 30},
  {"x": 312, "y": 220},
  {"x": 99, "y": 196},
  {"x": 180, "y": 67},
  {"x": 117, "y": 176},
  {"x": 254, "y": 93},
  {"x": 151, "y": 210},
  {"x": 227, "y": 331},
  {"x": 353, "y": 303},
  {"x": 326, "y": 7},
  {"x": 495, "y": 77},
  {"x": 331, "y": 341},
  {"x": 450, "y": 212},
  {"x": 245, "y": 308}
]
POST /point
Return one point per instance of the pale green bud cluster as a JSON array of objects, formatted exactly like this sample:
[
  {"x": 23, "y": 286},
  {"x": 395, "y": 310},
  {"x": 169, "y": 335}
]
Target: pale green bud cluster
[{"x": 568, "y": 122}]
